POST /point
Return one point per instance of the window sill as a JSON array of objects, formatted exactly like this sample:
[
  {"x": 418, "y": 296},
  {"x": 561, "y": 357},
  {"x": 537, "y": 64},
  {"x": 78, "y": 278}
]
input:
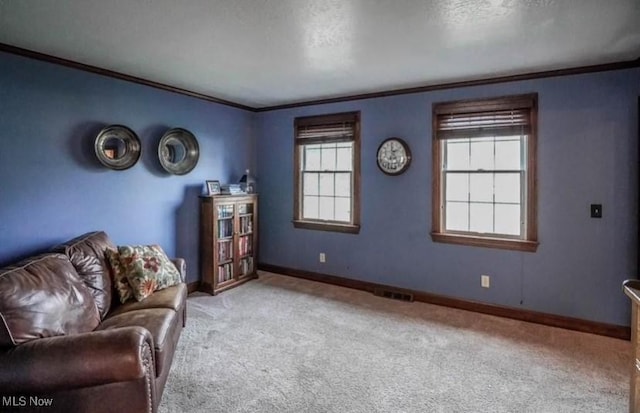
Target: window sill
[
  {"x": 474, "y": 241},
  {"x": 327, "y": 226}
]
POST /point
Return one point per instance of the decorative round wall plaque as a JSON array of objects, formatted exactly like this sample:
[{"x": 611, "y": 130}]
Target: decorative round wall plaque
[
  {"x": 178, "y": 151},
  {"x": 117, "y": 147}
]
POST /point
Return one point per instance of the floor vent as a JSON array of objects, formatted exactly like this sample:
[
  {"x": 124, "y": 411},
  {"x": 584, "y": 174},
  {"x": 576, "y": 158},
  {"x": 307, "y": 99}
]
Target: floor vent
[{"x": 394, "y": 295}]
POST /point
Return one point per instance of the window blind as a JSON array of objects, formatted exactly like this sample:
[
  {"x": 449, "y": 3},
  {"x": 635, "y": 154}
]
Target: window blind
[
  {"x": 326, "y": 129},
  {"x": 508, "y": 117}
]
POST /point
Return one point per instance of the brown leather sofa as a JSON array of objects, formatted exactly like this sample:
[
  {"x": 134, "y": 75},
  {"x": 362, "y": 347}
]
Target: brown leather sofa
[{"x": 68, "y": 345}]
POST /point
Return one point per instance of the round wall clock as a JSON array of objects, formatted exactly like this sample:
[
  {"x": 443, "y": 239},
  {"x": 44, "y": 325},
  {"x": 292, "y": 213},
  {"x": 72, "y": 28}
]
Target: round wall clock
[{"x": 394, "y": 156}]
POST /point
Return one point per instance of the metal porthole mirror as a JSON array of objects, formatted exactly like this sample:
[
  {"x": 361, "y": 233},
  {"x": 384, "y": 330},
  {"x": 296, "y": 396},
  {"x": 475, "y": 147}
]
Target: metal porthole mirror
[
  {"x": 178, "y": 151},
  {"x": 117, "y": 147}
]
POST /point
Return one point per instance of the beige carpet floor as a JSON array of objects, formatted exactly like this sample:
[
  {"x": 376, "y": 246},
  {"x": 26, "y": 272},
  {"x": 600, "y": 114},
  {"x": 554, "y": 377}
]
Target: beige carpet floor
[{"x": 280, "y": 344}]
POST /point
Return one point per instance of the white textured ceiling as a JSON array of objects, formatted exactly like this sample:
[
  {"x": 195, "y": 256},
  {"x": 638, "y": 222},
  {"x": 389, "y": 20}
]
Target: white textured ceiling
[{"x": 270, "y": 52}]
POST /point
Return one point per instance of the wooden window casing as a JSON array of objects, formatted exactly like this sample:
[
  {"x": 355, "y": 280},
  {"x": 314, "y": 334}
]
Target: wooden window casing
[
  {"x": 473, "y": 121},
  {"x": 327, "y": 132}
]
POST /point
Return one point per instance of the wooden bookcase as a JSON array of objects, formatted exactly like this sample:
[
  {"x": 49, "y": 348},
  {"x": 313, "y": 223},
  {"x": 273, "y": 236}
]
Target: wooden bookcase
[{"x": 229, "y": 241}]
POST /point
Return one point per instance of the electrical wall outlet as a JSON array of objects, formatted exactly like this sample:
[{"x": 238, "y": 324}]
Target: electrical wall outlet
[
  {"x": 485, "y": 281},
  {"x": 323, "y": 258}
]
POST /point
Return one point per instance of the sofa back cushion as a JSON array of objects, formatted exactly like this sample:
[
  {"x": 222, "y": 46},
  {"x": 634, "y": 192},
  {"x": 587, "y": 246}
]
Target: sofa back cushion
[
  {"x": 87, "y": 254},
  {"x": 43, "y": 296}
]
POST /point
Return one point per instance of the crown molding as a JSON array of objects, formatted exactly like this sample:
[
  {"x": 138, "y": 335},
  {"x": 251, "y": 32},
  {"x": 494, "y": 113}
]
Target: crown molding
[
  {"x": 393, "y": 92},
  {"x": 117, "y": 75},
  {"x": 465, "y": 83}
]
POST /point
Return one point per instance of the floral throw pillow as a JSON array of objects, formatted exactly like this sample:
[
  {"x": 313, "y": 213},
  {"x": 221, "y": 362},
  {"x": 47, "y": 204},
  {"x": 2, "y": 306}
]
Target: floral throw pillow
[
  {"x": 120, "y": 281},
  {"x": 148, "y": 269}
]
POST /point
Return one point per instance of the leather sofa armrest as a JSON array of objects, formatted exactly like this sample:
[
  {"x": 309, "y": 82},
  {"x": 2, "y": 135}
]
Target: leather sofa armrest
[
  {"x": 80, "y": 360},
  {"x": 181, "y": 265}
]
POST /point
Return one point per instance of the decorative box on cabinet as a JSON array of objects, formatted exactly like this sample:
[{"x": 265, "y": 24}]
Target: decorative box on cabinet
[{"x": 229, "y": 241}]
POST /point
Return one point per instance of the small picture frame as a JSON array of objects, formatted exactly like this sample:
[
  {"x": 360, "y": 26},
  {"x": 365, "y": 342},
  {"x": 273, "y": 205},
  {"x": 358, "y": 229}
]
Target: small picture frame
[{"x": 213, "y": 188}]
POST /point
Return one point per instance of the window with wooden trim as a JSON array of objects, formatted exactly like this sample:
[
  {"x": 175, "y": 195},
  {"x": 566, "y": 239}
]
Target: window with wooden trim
[
  {"x": 484, "y": 167},
  {"x": 327, "y": 172}
]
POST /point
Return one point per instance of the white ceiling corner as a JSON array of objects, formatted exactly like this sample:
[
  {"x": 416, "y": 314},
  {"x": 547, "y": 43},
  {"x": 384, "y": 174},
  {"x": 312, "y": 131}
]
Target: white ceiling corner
[{"x": 263, "y": 53}]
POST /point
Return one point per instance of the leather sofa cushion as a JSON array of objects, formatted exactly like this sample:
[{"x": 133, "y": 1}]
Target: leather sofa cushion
[
  {"x": 43, "y": 296},
  {"x": 162, "y": 323},
  {"x": 87, "y": 254},
  {"x": 173, "y": 297}
]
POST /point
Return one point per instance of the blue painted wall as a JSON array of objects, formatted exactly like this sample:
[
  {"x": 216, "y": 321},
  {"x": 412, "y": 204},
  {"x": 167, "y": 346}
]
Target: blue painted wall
[
  {"x": 51, "y": 186},
  {"x": 587, "y": 151}
]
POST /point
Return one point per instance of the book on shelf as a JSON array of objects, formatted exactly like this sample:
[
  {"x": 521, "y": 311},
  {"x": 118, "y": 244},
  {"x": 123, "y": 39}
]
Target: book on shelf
[
  {"x": 245, "y": 246},
  {"x": 225, "y": 251},
  {"x": 246, "y": 266},
  {"x": 225, "y": 272},
  {"x": 246, "y": 225},
  {"x": 225, "y": 211}
]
